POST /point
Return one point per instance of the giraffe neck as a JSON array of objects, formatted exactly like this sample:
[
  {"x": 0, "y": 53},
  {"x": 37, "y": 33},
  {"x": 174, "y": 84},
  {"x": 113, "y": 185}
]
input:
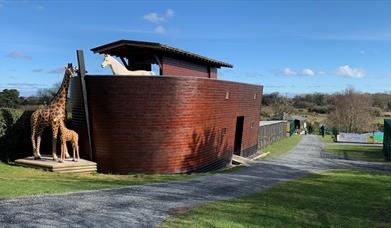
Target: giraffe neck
[
  {"x": 61, "y": 97},
  {"x": 62, "y": 126}
]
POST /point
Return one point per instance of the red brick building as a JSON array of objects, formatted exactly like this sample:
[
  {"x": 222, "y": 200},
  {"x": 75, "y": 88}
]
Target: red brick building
[{"x": 184, "y": 120}]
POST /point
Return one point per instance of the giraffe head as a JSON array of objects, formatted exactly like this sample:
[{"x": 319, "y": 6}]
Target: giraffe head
[{"x": 69, "y": 71}]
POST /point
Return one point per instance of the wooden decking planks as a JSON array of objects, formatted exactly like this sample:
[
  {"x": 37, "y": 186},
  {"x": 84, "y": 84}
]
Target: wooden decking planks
[{"x": 68, "y": 166}]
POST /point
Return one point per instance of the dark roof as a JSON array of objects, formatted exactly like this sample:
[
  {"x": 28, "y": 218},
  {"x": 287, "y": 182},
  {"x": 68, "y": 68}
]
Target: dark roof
[{"x": 121, "y": 47}]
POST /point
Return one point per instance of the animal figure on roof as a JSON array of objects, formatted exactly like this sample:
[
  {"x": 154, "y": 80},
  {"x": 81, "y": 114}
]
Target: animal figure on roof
[{"x": 119, "y": 69}]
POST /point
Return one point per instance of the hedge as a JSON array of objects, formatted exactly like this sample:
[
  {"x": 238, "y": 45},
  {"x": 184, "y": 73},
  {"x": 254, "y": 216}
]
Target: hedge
[{"x": 15, "y": 133}]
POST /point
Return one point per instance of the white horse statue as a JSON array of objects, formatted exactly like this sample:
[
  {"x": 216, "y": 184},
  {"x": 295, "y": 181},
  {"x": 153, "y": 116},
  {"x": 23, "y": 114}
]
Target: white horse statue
[{"x": 119, "y": 69}]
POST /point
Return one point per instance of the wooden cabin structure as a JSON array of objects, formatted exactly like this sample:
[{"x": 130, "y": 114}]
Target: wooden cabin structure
[{"x": 183, "y": 120}]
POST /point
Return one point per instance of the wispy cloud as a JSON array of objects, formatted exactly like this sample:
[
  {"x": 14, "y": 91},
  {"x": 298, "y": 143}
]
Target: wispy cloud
[
  {"x": 348, "y": 71},
  {"x": 37, "y": 70},
  {"x": 23, "y": 84},
  {"x": 120, "y": 30},
  {"x": 56, "y": 70},
  {"x": 157, "y": 18},
  {"x": 153, "y": 17},
  {"x": 39, "y": 7},
  {"x": 276, "y": 86},
  {"x": 286, "y": 72},
  {"x": 18, "y": 55},
  {"x": 160, "y": 29},
  {"x": 308, "y": 72},
  {"x": 381, "y": 34},
  {"x": 253, "y": 74}
]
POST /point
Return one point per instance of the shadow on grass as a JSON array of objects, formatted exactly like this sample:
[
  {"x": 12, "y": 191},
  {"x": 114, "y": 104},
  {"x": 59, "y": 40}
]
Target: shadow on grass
[
  {"x": 354, "y": 152},
  {"x": 320, "y": 200}
]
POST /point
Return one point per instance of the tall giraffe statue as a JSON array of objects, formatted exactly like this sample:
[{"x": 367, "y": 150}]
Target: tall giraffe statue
[{"x": 47, "y": 116}]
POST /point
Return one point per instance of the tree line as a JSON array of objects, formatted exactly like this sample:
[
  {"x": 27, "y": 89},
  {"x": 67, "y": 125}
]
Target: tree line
[
  {"x": 10, "y": 98},
  {"x": 324, "y": 103},
  {"x": 347, "y": 111}
]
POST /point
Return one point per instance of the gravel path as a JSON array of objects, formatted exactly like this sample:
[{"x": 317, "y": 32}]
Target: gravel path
[{"x": 149, "y": 205}]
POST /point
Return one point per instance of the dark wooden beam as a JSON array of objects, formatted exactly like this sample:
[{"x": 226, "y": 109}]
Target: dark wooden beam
[
  {"x": 159, "y": 63},
  {"x": 124, "y": 62},
  {"x": 82, "y": 73}
]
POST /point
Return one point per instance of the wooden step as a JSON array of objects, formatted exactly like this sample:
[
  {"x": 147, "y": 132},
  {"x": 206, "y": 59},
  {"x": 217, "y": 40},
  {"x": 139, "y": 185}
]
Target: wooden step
[
  {"x": 241, "y": 160},
  {"x": 68, "y": 166}
]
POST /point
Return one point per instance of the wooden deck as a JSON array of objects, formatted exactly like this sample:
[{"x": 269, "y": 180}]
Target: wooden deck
[{"x": 68, "y": 166}]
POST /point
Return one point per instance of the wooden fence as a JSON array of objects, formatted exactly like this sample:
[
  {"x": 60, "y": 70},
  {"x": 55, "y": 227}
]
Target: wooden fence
[
  {"x": 272, "y": 131},
  {"x": 387, "y": 139}
]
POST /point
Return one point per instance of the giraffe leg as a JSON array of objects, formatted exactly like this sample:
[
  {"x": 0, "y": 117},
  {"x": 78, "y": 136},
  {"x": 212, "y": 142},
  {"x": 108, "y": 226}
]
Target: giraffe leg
[
  {"x": 34, "y": 145},
  {"x": 33, "y": 123},
  {"x": 63, "y": 149},
  {"x": 77, "y": 152},
  {"x": 74, "y": 151},
  {"x": 62, "y": 152},
  {"x": 66, "y": 152},
  {"x": 54, "y": 149},
  {"x": 54, "y": 140},
  {"x": 38, "y": 144}
]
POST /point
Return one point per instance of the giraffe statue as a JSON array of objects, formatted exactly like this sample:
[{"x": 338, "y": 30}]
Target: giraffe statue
[
  {"x": 68, "y": 135},
  {"x": 46, "y": 116}
]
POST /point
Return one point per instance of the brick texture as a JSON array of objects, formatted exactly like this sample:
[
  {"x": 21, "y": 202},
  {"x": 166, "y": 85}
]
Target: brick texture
[
  {"x": 213, "y": 72},
  {"x": 177, "y": 67},
  {"x": 165, "y": 124}
]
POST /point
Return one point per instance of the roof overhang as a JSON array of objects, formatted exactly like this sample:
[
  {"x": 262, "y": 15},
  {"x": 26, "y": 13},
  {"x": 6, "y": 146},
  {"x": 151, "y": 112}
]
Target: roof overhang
[{"x": 129, "y": 48}]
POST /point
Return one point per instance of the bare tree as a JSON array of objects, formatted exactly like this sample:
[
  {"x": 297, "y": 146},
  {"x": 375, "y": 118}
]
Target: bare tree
[
  {"x": 277, "y": 105},
  {"x": 352, "y": 112},
  {"x": 46, "y": 95}
]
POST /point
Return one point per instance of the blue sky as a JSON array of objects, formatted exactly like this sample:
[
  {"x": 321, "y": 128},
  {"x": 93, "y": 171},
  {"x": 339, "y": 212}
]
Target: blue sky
[{"x": 292, "y": 47}]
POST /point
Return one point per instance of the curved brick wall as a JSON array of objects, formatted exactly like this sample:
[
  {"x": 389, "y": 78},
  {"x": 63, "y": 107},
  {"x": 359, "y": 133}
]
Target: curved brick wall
[{"x": 165, "y": 124}]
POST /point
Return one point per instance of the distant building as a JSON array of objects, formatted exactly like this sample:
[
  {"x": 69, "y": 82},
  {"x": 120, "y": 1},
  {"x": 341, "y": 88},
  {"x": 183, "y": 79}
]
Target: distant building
[{"x": 298, "y": 123}]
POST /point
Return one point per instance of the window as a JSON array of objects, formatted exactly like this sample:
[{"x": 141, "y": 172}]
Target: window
[
  {"x": 227, "y": 95},
  {"x": 252, "y": 124},
  {"x": 223, "y": 131}
]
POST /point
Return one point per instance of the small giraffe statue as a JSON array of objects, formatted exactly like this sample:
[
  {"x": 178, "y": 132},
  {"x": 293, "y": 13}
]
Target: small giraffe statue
[
  {"x": 65, "y": 136},
  {"x": 46, "y": 116}
]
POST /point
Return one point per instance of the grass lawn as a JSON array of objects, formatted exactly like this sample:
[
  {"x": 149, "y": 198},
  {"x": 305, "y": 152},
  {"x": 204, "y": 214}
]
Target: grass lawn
[
  {"x": 19, "y": 181},
  {"x": 327, "y": 138},
  {"x": 346, "y": 198},
  {"x": 371, "y": 153},
  {"x": 282, "y": 146}
]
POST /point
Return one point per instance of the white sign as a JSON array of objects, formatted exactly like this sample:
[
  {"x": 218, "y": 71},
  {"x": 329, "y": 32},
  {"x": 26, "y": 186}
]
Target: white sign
[{"x": 354, "y": 138}]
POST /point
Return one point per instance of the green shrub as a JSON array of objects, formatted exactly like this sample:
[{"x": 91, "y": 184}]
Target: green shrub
[
  {"x": 8, "y": 117},
  {"x": 313, "y": 127},
  {"x": 15, "y": 135}
]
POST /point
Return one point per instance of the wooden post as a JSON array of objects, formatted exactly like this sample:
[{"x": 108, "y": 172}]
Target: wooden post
[
  {"x": 159, "y": 63},
  {"x": 124, "y": 62},
  {"x": 82, "y": 73}
]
